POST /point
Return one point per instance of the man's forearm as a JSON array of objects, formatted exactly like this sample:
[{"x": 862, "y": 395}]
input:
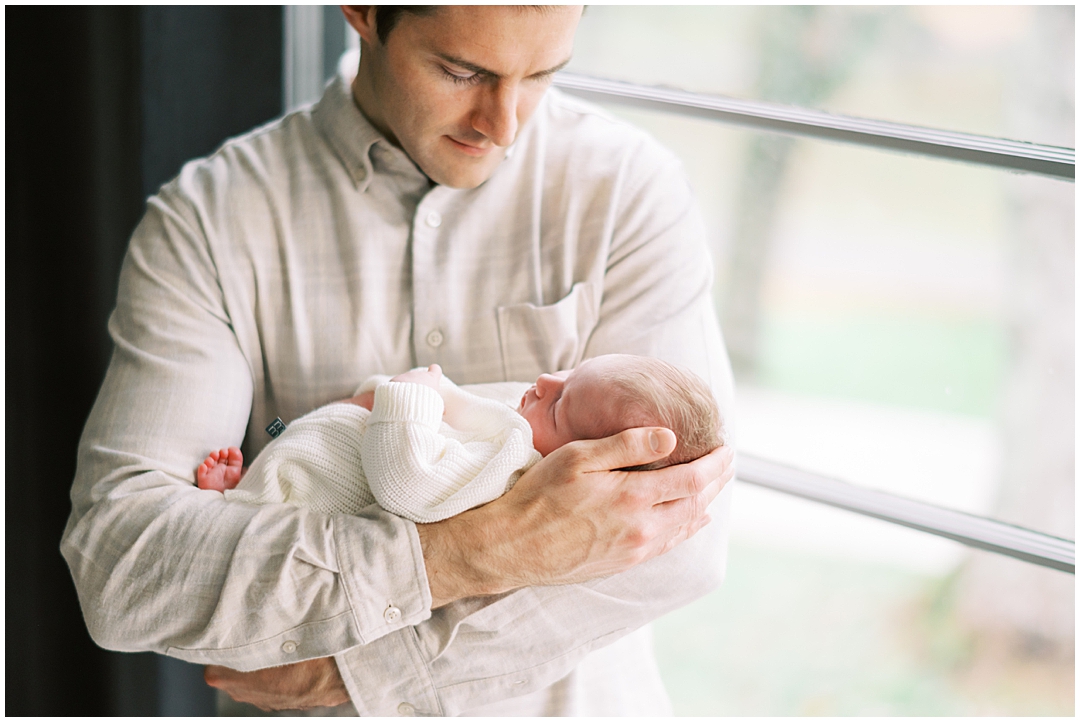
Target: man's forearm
[
  {"x": 451, "y": 574},
  {"x": 588, "y": 521},
  {"x": 509, "y": 645},
  {"x": 477, "y": 651}
]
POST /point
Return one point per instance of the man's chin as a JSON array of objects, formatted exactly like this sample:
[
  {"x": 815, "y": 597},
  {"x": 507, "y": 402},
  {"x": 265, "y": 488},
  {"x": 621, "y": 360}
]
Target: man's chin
[{"x": 464, "y": 174}]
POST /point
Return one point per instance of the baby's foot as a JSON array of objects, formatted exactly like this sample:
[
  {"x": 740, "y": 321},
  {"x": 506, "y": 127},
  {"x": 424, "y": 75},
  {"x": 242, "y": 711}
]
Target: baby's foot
[{"x": 221, "y": 470}]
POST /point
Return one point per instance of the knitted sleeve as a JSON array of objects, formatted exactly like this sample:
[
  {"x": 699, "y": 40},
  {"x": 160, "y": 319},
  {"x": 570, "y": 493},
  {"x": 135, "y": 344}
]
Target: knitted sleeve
[
  {"x": 424, "y": 470},
  {"x": 315, "y": 463}
]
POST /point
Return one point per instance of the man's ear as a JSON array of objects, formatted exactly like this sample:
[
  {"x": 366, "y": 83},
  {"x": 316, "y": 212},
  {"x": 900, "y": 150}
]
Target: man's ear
[{"x": 362, "y": 20}]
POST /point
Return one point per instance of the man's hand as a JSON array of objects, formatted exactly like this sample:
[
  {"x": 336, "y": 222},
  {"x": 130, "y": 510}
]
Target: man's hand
[
  {"x": 574, "y": 517},
  {"x": 314, "y": 683}
]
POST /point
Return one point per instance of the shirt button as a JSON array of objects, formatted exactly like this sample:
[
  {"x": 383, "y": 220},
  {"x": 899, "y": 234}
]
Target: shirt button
[
  {"x": 433, "y": 219},
  {"x": 391, "y": 615},
  {"x": 406, "y": 710},
  {"x": 288, "y": 647},
  {"x": 435, "y": 338}
]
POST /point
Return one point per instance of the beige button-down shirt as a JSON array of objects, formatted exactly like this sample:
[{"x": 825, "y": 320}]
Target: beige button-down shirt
[{"x": 296, "y": 261}]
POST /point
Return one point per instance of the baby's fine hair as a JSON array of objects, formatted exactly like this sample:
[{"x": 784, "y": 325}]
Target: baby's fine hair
[{"x": 675, "y": 399}]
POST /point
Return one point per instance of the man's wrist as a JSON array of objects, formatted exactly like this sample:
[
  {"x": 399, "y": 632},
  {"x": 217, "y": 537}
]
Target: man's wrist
[{"x": 456, "y": 560}]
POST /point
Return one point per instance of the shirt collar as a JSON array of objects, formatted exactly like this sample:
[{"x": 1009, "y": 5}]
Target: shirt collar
[{"x": 351, "y": 134}]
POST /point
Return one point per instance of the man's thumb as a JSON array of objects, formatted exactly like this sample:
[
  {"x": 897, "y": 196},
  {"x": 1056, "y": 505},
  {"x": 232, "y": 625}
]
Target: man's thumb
[
  {"x": 661, "y": 442},
  {"x": 634, "y": 447}
]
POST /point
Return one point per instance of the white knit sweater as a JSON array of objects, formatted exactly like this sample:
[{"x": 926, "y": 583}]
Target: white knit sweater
[{"x": 421, "y": 454}]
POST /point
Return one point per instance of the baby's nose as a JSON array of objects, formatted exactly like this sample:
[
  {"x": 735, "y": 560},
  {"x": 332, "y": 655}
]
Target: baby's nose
[{"x": 545, "y": 382}]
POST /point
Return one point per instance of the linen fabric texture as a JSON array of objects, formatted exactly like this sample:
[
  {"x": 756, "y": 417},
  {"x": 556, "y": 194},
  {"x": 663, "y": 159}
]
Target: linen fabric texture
[
  {"x": 403, "y": 455},
  {"x": 268, "y": 280}
]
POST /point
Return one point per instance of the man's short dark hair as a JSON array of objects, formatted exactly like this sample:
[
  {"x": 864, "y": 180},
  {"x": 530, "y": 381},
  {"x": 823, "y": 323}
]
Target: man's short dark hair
[{"x": 387, "y": 17}]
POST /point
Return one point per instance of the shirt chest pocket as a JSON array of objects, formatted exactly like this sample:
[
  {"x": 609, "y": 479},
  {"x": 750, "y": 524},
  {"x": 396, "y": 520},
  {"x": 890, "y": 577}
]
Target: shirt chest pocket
[{"x": 541, "y": 339}]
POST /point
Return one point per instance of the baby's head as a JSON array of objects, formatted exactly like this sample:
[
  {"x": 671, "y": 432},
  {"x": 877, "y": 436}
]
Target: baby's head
[{"x": 612, "y": 393}]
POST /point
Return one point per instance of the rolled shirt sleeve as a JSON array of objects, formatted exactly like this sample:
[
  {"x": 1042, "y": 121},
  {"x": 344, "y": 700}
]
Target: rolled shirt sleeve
[{"x": 164, "y": 566}]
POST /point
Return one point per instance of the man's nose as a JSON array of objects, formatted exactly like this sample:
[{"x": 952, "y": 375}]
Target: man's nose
[{"x": 497, "y": 116}]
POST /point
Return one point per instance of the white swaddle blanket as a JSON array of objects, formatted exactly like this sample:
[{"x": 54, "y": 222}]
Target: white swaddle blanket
[{"x": 421, "y": 454}]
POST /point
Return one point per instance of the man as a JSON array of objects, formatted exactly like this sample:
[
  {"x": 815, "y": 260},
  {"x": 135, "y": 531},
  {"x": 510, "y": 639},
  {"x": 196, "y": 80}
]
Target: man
[{"x": 442, "y": 208}]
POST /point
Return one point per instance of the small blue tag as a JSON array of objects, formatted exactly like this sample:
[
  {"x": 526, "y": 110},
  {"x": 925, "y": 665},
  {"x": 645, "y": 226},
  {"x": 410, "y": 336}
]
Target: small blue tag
[{"x": 275, "y": 428}]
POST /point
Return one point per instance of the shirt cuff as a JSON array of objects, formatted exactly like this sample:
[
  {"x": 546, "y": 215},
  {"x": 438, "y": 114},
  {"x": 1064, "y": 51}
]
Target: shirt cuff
[
  {"x": 389, "y": 678},
  {"x": 382, "y": 567}
]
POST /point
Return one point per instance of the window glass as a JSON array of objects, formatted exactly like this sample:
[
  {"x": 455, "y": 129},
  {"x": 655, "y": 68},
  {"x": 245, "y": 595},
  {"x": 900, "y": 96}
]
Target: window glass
[
  {"x": 976, "y": 69},
  {"x": 795, "y": 633},
  {"x": 894, "y": 321}
]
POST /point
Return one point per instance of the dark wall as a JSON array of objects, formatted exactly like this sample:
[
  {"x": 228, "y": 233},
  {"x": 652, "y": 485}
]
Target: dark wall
[
  {"x": 208, "y": 73},
  {"x": 103, "y": 105}
]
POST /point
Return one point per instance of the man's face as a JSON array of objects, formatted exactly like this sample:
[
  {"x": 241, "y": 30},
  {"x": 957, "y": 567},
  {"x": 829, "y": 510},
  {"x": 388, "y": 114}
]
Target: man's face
[{"x": 454, "y": 88}]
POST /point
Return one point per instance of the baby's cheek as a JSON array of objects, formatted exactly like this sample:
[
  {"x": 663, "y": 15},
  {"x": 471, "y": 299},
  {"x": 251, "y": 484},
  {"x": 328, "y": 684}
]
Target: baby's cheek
[{"x": 542, "y": 439}]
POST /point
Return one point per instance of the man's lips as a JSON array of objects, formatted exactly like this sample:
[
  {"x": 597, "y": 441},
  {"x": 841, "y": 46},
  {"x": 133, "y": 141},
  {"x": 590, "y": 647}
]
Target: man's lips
[{"x": 472, "y": 150}]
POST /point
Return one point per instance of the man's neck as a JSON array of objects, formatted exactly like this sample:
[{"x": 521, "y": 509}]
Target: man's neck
[{"x": 362, "y": 99}]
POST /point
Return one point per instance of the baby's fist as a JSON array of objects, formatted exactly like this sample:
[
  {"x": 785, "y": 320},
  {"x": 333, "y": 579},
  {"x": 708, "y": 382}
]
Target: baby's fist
[{"x": 430, "y": 377}]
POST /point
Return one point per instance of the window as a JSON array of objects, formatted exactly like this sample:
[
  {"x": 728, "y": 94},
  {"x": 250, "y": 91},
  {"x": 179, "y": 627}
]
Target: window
[{"x": 896, "y": 321}]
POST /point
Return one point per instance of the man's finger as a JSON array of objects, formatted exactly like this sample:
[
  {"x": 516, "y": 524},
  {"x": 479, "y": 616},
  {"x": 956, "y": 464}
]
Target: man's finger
[
  {"x": 683, "y": 517},
  {"x": 698, "y": 525},
  {"x": 301, "y": 685},
  {"x": 631, "y": 447},
  {"x": 713, "y": 490},
  {"x": 214, "y": 675},
  {"x": 690, "y": 513},
  {"x": 685, "y": 480}
]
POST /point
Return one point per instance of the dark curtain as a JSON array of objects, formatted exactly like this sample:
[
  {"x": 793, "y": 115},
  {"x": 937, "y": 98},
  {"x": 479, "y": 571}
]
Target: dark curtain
[{"x": 104, "y": 104}]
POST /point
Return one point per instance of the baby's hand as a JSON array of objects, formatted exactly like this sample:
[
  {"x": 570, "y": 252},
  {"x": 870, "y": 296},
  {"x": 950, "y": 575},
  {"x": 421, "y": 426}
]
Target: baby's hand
[
  {"x": 365, "y": 400},
  {"x": 430, "y": 378}
]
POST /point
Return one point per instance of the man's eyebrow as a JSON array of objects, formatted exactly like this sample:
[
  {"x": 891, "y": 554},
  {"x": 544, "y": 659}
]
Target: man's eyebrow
[
  {"x": 480, "y": 70},
  {"x": 551, "y": 71}
]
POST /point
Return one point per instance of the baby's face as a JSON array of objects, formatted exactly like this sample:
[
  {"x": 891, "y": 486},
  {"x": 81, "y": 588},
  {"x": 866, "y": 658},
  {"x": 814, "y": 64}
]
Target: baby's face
[{"x": 571, "y": 405}]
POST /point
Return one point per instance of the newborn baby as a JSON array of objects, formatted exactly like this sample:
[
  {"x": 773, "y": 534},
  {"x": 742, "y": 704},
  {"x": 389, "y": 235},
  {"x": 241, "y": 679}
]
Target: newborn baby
[{"x": 425, "y": 449}]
